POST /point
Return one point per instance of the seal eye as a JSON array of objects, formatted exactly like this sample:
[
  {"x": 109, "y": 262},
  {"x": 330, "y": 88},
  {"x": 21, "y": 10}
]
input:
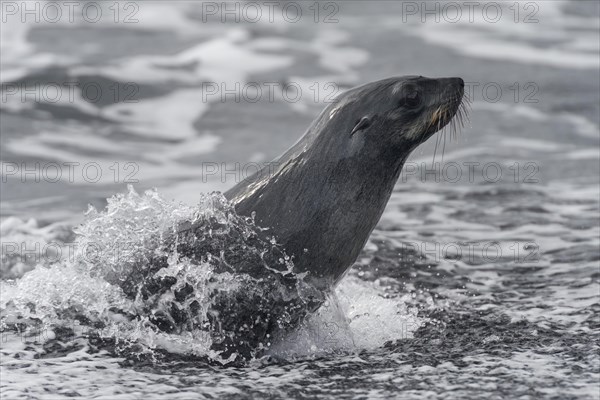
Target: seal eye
[
  {"x": 412, "y": 99},
  {"x": 361, "y": 124}
]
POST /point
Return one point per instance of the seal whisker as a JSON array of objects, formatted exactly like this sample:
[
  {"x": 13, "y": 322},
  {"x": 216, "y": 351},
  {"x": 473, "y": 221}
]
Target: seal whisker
[
  {"x": 444, "y": 147},
  {"x": 461, "y": 114},
  {"x": 434, "y": 117},
  {"x": 465, "y": 106},
  {"x": 442, "y": 135},
  {"x": 464, "y": 115},
  {"x": 447, "y": 124},
  {"x": 452, "y": 123},
  {"x": 437, "y": 141},
  {"x": 438, "y": 118}
]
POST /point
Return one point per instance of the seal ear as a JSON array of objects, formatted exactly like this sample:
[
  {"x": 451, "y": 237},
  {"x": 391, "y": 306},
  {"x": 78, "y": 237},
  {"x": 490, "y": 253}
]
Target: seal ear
[{"x": 363, "y": 123}]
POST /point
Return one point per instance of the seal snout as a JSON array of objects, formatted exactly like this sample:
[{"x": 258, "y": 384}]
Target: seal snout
[
  {"x": 451, "y": 88},
  {"x": 458, "y": 82},
  {"x": 447, "y": 104}
]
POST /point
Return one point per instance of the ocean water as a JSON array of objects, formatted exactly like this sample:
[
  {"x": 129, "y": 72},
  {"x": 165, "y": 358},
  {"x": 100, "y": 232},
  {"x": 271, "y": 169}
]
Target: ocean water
[{"x": 481, "y": 279}]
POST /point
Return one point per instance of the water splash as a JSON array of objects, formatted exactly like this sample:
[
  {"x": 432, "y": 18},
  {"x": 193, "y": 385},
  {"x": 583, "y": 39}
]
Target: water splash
[
  {"x": 150, "y": 277},
  {"x": 199, "y": 280}
]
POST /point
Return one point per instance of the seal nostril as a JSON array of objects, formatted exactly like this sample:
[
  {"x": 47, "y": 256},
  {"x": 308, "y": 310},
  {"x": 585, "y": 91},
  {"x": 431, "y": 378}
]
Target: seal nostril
[{"x": 461, "y": 83}]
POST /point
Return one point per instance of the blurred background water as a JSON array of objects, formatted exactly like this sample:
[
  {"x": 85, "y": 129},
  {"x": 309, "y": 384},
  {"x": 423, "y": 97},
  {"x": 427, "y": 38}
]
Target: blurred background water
[{"x": 147, "y": 95}]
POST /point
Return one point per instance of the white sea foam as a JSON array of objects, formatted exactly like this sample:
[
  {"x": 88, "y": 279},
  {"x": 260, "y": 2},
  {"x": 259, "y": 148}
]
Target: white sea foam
[{"x": 358, "y": 315}]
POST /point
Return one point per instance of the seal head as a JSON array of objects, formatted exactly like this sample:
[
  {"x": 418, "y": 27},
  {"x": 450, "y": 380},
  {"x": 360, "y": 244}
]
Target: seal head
[{"x": 323, "y": 197}]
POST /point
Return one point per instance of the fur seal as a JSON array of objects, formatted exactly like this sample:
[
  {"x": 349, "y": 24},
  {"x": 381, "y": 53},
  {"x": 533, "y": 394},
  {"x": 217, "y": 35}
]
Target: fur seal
[
  {"x": 321, "y": 203},
  {"x": 329, "y": 189}
]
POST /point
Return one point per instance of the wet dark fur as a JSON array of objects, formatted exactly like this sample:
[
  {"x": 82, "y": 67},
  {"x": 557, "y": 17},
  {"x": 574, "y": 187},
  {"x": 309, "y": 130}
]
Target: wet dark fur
[{"x": 320, "y": 200}]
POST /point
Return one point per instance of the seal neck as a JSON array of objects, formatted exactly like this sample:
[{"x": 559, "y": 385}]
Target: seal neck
[{"x": 321, "y": 211}]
